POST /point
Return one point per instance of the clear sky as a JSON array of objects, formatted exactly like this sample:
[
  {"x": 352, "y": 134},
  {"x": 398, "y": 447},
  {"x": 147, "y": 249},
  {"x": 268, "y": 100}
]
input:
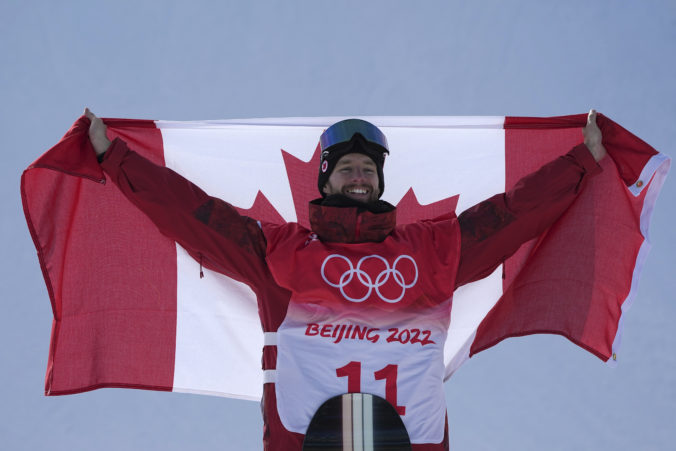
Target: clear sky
[{"x": 183, "y": 60}]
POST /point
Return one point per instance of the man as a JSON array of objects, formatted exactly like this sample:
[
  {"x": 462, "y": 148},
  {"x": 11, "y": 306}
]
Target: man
[{"x": 357, "y": 303}]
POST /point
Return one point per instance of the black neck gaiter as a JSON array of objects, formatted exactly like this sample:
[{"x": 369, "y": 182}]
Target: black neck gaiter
[{"x": 339, "y": 200}]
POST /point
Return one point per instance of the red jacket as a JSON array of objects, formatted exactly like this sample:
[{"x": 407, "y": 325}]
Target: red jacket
[{"x": 474, "y": 244}]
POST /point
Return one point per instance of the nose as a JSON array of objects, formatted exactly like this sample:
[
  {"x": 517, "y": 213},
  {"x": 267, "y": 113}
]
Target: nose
[{"x": 358, "y": 174}]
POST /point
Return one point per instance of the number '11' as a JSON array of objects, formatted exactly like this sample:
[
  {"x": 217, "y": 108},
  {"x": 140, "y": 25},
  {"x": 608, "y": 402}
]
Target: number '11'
[{"x": 353, "y": 373}]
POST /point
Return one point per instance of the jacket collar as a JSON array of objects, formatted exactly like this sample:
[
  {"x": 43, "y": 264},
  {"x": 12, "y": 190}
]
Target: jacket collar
[{"x": 337, "y": 223}]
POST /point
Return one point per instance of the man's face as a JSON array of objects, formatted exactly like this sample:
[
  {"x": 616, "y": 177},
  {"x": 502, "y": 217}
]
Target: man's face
[{"x": 355, "y": 176}]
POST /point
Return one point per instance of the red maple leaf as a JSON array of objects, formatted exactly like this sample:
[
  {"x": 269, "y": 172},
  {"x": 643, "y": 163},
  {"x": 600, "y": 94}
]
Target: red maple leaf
[
  {"x": 303, "y": 181},
  {"x": 263, "y": 210},
  {"x": 410, "y": 210}
]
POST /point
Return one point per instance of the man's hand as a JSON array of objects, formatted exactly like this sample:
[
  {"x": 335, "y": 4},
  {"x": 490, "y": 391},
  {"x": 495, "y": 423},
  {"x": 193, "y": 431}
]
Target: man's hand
[
  {"x": 97, "y": 133},
  {"x": 592, "y": 137}
]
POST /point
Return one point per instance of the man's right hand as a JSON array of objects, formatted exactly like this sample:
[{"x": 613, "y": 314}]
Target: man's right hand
[{"x": 97, "y": 133}]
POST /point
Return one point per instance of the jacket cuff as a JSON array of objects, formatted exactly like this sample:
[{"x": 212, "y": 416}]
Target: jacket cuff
[
  {"x": 113, "y": 157},
  {"x": 585, "y": 159}
]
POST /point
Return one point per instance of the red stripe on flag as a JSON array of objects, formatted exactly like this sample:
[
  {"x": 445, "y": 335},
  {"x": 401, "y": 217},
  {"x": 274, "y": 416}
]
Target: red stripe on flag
[
  {"x": 112, "y": 327},
  {"x": 574, "y": 278},
  {"x": 629, "y": 152}
]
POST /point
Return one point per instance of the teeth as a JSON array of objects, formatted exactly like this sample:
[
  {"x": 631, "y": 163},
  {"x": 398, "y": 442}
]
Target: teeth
[{"x": 357, "y": 191}]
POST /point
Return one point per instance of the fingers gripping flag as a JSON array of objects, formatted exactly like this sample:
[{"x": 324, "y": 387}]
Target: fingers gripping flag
[{"x": 130, "y": 309}]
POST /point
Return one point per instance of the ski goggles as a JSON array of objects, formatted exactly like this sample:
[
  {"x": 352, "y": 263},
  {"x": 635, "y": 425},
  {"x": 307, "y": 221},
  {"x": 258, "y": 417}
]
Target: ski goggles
[{"x": 343, "y": 131}]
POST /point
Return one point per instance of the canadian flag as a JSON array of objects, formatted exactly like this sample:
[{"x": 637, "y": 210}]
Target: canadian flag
[{"x": 130, "y": 308}]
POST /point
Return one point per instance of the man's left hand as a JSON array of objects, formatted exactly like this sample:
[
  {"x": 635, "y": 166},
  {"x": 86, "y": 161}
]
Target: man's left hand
[{"x": 593, "y": 137}]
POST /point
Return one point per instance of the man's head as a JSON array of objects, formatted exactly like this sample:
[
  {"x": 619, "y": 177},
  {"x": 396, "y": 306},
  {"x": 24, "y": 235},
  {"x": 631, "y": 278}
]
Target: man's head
[
  {"x": 352, "y": 158},
  {"x": 354, "y": 175}
]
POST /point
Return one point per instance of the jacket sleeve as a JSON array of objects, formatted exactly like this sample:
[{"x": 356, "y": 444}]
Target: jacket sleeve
[
  {"x": 211, "y": 230},
  {"x": 494, "y": 229}
]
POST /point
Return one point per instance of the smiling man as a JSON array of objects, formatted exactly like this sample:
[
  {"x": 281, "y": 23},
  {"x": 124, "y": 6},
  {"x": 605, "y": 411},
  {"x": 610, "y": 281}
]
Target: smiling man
[
  {"x": 357, "y": 303},
  {"x": 354, "y": 176},
  {"x": 352, "y": 158}
]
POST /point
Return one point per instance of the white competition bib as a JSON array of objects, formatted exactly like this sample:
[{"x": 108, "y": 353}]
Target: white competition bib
[{"x": 321, "y": 355}]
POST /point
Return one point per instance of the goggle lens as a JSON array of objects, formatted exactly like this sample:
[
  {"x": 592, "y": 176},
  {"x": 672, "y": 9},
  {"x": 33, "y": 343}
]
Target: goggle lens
[{"x": 343, "y": 131}]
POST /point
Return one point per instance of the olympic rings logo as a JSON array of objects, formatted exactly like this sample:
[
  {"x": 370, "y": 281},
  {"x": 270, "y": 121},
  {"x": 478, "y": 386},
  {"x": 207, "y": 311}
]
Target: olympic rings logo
[{"x": 362, "y": 276}]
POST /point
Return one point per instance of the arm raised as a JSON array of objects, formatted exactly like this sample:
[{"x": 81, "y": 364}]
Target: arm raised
[{"x": 494, "y": 229}]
